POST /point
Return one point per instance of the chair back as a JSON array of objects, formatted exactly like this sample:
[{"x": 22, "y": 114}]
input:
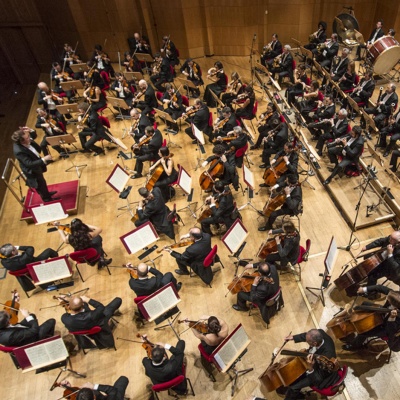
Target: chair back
[
  {"x": 333, "y": 389},
  {"x": 238, "y": 123},
  {"x": 139, "y": 299},
  {"x": 20, "y": 272},
  {"x": 164, "y": 143},
  {"x": 255, "y": 108},
  {"x": 320, "y": 96},
  {"x": 104, "y": 121},
  {"x": 308, "y": 81},
  {"x": 160, "y": 387},
  {"x": 357, "y": 80},
  {"x": 105, "y": 77},
  {"x": 293, "y": 64},
  {"x": 210, "y": 119},
  {"x": 349, "y": 128},
  {"x": 89, "y": 256},
  {"x": 210, "y": 257},
  {"x": 281, "y": 118},
  {"x": 241, "y": 152},
  {"x": 159, "y": 95},
  {"x": 91, "y": 331},
  {"x": 206, "y": 356},
  {"x": 171, "y": 217},
  {"x": 274, "y": 299},
  {"x": 7, "y": 349},
  {"x": 185, "y": 101}
]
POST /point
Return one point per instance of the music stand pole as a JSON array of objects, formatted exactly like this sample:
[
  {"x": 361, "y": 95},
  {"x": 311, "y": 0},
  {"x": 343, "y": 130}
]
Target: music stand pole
[
  {"x": 238, "y": 259},
  {"x": 324, "y": 285},
  {"x": 189, "y": 199},
  {"x": 237, "y": 373},
  {"x": 170, "y": 322},
  {"x": 199, "y": 159},
  {"x": 152, "y": 260},
  {"x": 250, "y": 195}
]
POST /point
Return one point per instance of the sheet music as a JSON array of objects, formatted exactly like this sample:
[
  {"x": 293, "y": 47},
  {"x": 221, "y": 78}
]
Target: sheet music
[
  {"x": 140, "y": 238},
  {"x": 235, "y": 237},
  {"x": 198, "y": 134},
  {"x": 248, "y": 177},
  {"x": 118, "y": 179},
  {"x": 46, "y": 353},
  {"x": 161, "y": 303},
  {"x": 48, "y": 213},
  {"x": 185, "y": 181},
  {"x": 232, "y": 348},
  {"x": 52, "y": 270}
]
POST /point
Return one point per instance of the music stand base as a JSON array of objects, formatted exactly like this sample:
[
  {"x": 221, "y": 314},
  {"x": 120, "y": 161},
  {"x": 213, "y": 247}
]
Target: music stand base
[
  {"x": 320, "y": 295},
  {"x": 237, "y": 374},
  {"x": 190, "y": 210},
  {"x": 169, "y": 324},
  {"x": 77, "y": 169}
]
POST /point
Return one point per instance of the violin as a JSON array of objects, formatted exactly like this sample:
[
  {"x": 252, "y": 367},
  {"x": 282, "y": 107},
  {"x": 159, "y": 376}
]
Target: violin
[
  {"x": 265, "y": 119},
  {"x": 220, "y": 124},
  {"x": 212, "y": 72},
  {"x": 132, "y": 271},
  {"x": 66, "y": 228},
  {"x": 225, "y": 139},
  {"x": 241, "y": 97},
  {"x": 215, "y": 170},
  {"x": 184, "y": 243},
  {"x": 244, "y": 282},
  {"x": 189, "y": 113},
  {"x": 147, "y": 345},
  {"x": 12, "y": 307},
  {"x": 70, "y": 392},
  {"x": 138, "y": 96},
  {"x": 136, "y": 147},
  {"x": 63, "y": 301},
  {"x": 199, "y": 325}
]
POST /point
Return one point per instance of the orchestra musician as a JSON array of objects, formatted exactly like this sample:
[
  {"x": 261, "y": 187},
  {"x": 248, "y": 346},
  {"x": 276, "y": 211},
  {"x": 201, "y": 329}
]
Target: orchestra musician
[
  {"x": 292, "y": 204},
  {"x": 70, "y": 57},
  {"x": 288, "y": 248},
  {"x": 348, "y": 79},
  {"x": 26, "y": 331},
  {"x": 218, "y": 86},
  {"x": 93, "y": 76},
  {"x": 337, "y": 130},
  {"x": 192, "y": 71},
  {"x": 218, "y": 330},
  {"x": 147, "y": 151},
  {"x": 58, "y": 76},
  {"x": 173, "y": 99},
  {"x": 300, "y": 83},
  {"x": 152, "y": 208},
  {"x": 275, "y": 141},
  {"x": 150, "y": 100},
  {"x": 350, "y": 148},
  {"x": 49, "y": 100},
  {"x": 161, "y": 72},
  {"x": 162, "y": 369},
  {"x": 325, "y": 52},
  {"x": 123, "y": 91},
  {"x": 392, "y": 129},
  {"x": 230, "y": 175},
  {"x": 320, "y": 344},
  {"x": 364, "y": 90},
  {"x": 285, "y": 65},
  {"x": 91, "y": 127},
  {"x": 16, "y": 258},
  {"x": 139, "y": 44},
  {"x": 376, "y": 34},
  {"x": 95, "y": 97},
  {"x": 222, "y": 213},
  {"x": 102, "y": 60},
  {"x": 245, "y": 109},
  {"x": 385, "y": 106},
  {"x": 393, "y": 160},
  {"x": 390, "y": 267},
  {"x": 90, "y": 391},
  {"x": 271, "y": 50},
  {"x": 224, "y": 124},
  {"x": 309, "y": 102},
  {"x": 170, "y": 51},
  {"x": 51, "y": 127},
  {"x": 139, "y": 123},
  {"x": 261, "y": 289},
  {"x": 130, "y": 63},
  {"x": 80, "y": 317},
  {"x": 84, "y": 237},
  {"x": 199, "y": 119},
  {"x": 168, "y": 175},
  {"x": 323, "y": 117},
  {"x": 339, "y": 66},
  {"x": 391, "y": 325},
  {"x": 145, "y": 285},
  {"x": 27, "y": 152},
  {"x": 234, "y": 88},
  {"x": 317, "y": 37},
  {"x": 239, "y": 142},
  {"x": 265, "y": 124},
  {"x": 194, "y": 255}
]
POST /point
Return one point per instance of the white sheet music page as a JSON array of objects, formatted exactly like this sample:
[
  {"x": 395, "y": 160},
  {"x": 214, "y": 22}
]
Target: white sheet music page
[
  {"x": 140, "y": 238},
  {"x": 198, "y": 134},
  {"x": 46, "y": 353},
  {"x": 46, "y": 213},
  {"x": 185, "y": 181},
  {"x": 248, "y": 177},
  {"x": 161, "y": 303},
  {"x": 118, "y": 179},
  {"x": 52, "y": 270},
  {"x": 235, "y": 237}
]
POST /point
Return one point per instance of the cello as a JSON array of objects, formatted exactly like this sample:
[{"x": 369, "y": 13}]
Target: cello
[
  {"x": 243, "y": 282},
  {"x": 215, "y": 170},
  {"x": 269, "y": 246},
  {"x": 349, "y": 281},
  {"x": 156, "y": 175},
  {"x": 272, "y": 173},
  {"x": 273, "y": 203}
]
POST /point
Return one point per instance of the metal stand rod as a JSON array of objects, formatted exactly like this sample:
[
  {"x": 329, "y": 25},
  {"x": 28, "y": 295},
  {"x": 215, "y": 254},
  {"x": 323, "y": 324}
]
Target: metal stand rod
[
  {"x": 169, "y": 324},
  {"x": 249, "y": 203}
]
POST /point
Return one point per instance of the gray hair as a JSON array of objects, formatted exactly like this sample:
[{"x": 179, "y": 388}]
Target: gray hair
[{"x": 343, "y": 112}]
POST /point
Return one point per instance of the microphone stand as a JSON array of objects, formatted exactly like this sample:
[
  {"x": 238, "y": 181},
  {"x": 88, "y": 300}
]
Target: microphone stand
[{"x": 251, "y": 59}]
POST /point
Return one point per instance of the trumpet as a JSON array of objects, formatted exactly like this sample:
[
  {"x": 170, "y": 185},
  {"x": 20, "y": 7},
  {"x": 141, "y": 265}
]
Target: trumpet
[{"x": 322, "y": 46}]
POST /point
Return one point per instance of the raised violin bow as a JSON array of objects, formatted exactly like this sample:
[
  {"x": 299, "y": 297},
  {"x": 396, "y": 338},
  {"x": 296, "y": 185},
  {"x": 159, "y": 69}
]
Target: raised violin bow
[{"x": 274, "y": 355}]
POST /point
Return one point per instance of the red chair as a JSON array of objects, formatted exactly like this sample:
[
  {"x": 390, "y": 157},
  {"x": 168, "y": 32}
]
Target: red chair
[
  {"x": 138, "y": 314},
  {"x": 337, "y": 387},
  {"x": 185, "y": 101},
  {"x": 159, "y": 95},
  {"x": 207, "y": 362},
  {"x": 87, "y": 256},
  {"x": 275, "y": 301},
  {"x": 85, "y": 338},
  {"x": 105, "y": 122},
  {"x": 212, "y": 257},
  {"x": 24, "y": 279},
  {"x": 161, "y": 387},
  {"x": 303, "y": 257},
  {"x": 242, "y": 153},
  {"x": 9, "y": 350},
  {"x": 356, "y": 82},
  {"x": 106, "y": 80}
]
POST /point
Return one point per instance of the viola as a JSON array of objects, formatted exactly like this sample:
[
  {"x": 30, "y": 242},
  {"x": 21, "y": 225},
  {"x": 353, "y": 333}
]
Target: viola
[
  {"x": 215, "y": 170},
  {"x": 147, "y": 345},
  {"x": 349, "y": 281},
  {"x": 12, "y": 307},
  {"x": 70, "y": 392},
  {"x": 66, "y": 228},
  {"x": 177, "y": 245},
  {"x": 136, "y": 147},
  {"x": 199, "y": 325},
  {"x": 244, "y": 282}
]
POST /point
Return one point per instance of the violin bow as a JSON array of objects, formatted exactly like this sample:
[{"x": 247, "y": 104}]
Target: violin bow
[{"x": 279, "y": 350}]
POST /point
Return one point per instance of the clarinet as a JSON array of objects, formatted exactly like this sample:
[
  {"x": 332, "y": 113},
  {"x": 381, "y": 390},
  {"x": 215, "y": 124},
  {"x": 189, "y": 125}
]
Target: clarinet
[{"x": 379, "y": 98}]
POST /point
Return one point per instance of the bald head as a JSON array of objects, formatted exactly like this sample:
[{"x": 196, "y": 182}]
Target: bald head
[
  {"x": 314, "y": 337},
  {"x": 134, "y": 113},
  {"x": 75, "y": 303},
  {"x": 395, "y": 238},
  {"x": 142, "y": 270},
  {"x": 195, "y": 233},
  {"x": 142, "y": 84},
  {"x": 42, "y": 86}
]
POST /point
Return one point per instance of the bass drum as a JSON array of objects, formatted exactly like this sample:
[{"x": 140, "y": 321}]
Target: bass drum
[{"x": 383, "y": 54}]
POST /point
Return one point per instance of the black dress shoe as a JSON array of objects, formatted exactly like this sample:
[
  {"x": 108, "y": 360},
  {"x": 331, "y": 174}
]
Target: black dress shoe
[
  {"x": 178, "y": 286},
  {"x": 314, "y": 138},
  {"x": 350, "y": 347},
  {"x": 385, "y": 154},
  {"x": 98, "y": 153},
  {"x": 393, "y": 169},
  {"x": 319, "y": 153},
  {"x": 84, "y": 151},
  {"x": 264, "y": 166},
  {"x": 51, "y": 199},
  {"x": 238, "y": 308},
  {"x": 263, "y": 185},
  {"x": 180, "y": 272},
  {"x": 136, "y": 176},
  {"x": 52, "y": 193},
  {"x": 262, "y": 228},
  {"x": 253, "y": 147},
  {"x": 327, "y": 182}
]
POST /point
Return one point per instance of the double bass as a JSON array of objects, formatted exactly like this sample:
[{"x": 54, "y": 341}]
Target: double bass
[
  {"x": 215, "y": 170},
  {"x": 349, "y": 281}
]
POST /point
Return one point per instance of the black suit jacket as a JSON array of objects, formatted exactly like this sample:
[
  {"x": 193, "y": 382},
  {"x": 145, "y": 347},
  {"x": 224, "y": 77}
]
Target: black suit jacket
[
  {"x": 145, "y": 287},
  {"x": 379, "y": 35},
  {"x": 339, "y": 70},
  {"x": 95, "y": 126},
  {"x": 367, "y": 90},
  {"x": 20, "y": 336},
  {"x": 341, "y": 129},
  {"x": 294, "y": 200},
  {"x": 150, "y": 99},
  {"x": 194, "y": 256},
  {"x": 325, "y": 112},
  {"x": 320, "y": 377},
  {"x": 19, "y": 261},
  {"x": 154, "y": 144},
  {"x": 353, "y": 152},
  {"x": 293, "y": 161},
  {"x": 290, "y": 248},
  {"x": 200, "y": 119},
  {"x": 263, "y": 291},
  {"x": 115, "y": 392},
  {"x": 168, "y": 369},
  {"x": 287, "y": 63},
  {"x": 332, "y": 51},
  {"x": 387, "y": 107}
]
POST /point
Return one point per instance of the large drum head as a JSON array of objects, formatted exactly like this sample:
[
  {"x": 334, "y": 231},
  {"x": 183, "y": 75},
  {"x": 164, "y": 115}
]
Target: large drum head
[
  {"x": 349, "y": 22},
  {"x": 384, "y": 55}
]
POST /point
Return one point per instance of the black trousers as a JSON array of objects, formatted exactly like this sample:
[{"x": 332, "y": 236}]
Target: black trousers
[{"x": 46, "y": 330}]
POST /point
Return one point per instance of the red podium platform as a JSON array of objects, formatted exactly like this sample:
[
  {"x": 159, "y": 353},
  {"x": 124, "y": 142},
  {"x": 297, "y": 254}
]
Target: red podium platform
[{"x": 68, "y": 191}]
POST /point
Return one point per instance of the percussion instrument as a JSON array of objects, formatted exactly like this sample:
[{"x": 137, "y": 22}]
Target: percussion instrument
[{"x": 383, "y": 54}]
